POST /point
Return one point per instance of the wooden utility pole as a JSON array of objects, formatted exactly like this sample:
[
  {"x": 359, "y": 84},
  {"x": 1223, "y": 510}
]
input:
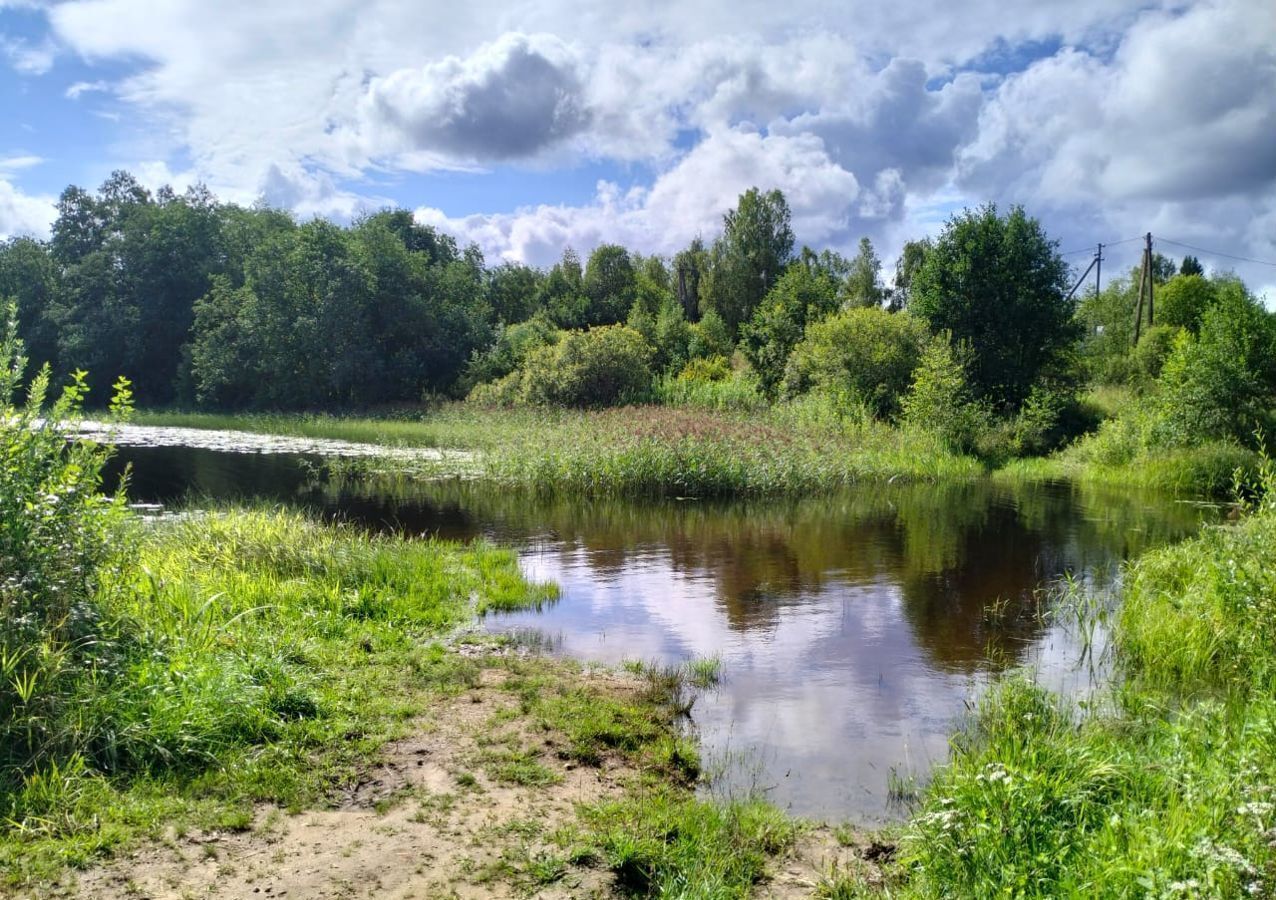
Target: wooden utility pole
[
  {"x": 1143, "y": 278},
  {"x": 1098, "y": 268},
  {"x": 1151, "y": 282}
]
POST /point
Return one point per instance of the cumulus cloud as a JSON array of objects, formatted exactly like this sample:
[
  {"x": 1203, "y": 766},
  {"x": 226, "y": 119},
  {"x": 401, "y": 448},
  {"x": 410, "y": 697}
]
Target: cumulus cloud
[
  {"x": 687, "y": 200},
  {"x": 511, "y": 99},
  {"x": 1183, "y": 112},
  {"x": 1100, "y": 115}
]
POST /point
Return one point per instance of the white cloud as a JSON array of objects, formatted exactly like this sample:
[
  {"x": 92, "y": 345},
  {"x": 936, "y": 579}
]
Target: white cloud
[
  {"x": 512, "y": 99},
  {"x": 869, "y": 114},
  {"x": 28, "y": 58},
  {"x": 9, "y": 164},
  {"x": 80, "y": 88},
  {"x": 686, "y": 200},
  {"x": 23, "y": 214},
  {"x": 1174, "y": 133}
]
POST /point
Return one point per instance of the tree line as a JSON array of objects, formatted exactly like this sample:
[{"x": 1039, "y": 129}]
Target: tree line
[{"x": 215, "y": 305}]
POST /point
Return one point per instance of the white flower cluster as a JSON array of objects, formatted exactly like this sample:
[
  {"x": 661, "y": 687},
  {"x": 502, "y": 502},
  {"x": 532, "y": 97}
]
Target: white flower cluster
[
  {"x": 994, "y": 773},
  {"x": 1220, "y": 853}
]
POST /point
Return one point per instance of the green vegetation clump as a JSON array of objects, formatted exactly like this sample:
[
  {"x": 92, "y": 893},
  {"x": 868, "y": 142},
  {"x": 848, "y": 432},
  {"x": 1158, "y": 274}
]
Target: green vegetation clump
[
  {"x": 864, "y": 353},
  {"x": 603, "y": 366}
]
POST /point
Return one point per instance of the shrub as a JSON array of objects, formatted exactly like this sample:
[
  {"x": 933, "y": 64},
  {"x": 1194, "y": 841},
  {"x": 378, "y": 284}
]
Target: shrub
[
  {"x": 604, "y": 366},
  {"x": 940, "y": 397},
  {"x": 1155, "y": 346},
  {"x": 1219, "y": 384},
  {"x": 56, "y": 534},
  {"x": 710, "y": 337},
  {"x": 1181, "y": 302},
  {"x": 712, "y": 368},
  {"x": 803, "y": 295},
  {"x": 868, "y": 353},
  {"x": 512, "y": 345}
]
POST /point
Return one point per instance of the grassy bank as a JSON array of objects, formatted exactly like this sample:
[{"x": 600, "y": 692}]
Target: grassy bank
[
  {"x": 643, "y": 451},
  {"x": 1209, "y": 470},
  {"x": 1166, "y": 786},
  {"x": 244, "y": 657},
  {"x": 255, "y": 657}
]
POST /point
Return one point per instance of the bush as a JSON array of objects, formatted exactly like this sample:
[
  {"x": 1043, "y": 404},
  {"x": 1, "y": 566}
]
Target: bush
[
  {"x": 866, "y": 353},
  {"x": 1219, "y": 384},
  {"x": 603, "y": 366},
  {"x": 713, "y": 368},
  {"x": 56, "y": 534},
  {"x": 940, "y": 397},
  {"x": 710, "y": 337},
  {"x": 1155, "y": 346},
  {"x": 512, "y": 345},
  {"x": 1182, "y": 301},
  {"x": 803, "y": 295}
]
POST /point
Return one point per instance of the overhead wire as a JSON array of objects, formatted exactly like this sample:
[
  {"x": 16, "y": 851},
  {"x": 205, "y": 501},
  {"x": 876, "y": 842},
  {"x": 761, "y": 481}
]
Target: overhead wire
[{"x": 1248, "y": 259}]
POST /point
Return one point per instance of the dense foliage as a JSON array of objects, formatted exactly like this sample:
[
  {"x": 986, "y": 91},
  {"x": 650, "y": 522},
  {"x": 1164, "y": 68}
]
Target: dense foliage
[
  {"x": 205, "y": 304},
  {"x": 999, "y": 284}
]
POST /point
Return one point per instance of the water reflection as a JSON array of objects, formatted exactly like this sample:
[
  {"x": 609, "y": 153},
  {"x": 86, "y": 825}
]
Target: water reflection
[{"x": 853, "y": 629}]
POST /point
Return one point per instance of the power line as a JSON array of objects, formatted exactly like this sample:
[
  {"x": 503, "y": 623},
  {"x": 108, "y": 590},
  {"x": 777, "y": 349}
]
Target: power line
[
  {"x": 1261, "y": 262},
  {"x": 1106, "y": 244}
]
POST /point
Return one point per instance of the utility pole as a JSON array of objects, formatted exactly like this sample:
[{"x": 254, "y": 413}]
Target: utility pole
[
  {"x": 1143, "y": 278},
  {"x": 1151, "y": 281},
  {"x": 1098, "y": 268}
]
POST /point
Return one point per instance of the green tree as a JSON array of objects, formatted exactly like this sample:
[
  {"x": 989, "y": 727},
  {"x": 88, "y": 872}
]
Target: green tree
[
  {"x": 1222, "y": 382},
  {"x": 29, "y": 275},
  {"x": 1183, "y": 300},
  {"x": 863, "y": 286},
  {"x": 1191, "y": 266},
  {"x": 690, "y": 267},
  {"x": 906, "y": 266},
  {"x": 999, "y": 284},
  {"x": 750, "y": 256},
  {"x": 803, "y": 295},
  {"x": 511, "y": 291},
  {"x": 940, "y": 397},
  {"x": 610, "y": 284},
  {"x": 602, "y": 366},
  {"x": 562, "y": 293}
]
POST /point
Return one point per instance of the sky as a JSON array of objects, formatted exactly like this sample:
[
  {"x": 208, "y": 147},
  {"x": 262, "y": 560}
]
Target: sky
[{"x": 530, "y": 125}]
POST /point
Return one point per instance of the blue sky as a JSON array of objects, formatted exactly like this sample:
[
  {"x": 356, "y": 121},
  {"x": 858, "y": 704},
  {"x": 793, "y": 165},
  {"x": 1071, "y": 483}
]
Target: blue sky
[{"x": 530, "y": 127}]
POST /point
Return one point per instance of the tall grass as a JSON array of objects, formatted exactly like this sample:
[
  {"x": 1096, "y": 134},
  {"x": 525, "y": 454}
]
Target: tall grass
[
  {"x": 255, "y": 655},
  {"x": 645, "y": 450}
]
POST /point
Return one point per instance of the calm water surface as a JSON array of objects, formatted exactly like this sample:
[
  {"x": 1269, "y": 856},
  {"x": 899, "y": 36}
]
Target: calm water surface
[{"x": 854, "y": 630}]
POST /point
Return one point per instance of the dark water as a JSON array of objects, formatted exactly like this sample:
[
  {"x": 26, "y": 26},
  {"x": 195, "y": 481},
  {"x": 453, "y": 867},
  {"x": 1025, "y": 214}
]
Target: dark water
[{"x": 854, "y": 630}]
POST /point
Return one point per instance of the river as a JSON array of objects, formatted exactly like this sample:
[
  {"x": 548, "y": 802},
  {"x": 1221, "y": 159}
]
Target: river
[{"x": 855, "y": 631}]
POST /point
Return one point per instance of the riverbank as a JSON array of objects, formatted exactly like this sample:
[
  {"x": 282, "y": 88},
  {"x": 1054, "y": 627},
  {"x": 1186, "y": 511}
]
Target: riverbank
[
  {"x": 268, "y": 683},
  {"x": 1165, "y": 785}
]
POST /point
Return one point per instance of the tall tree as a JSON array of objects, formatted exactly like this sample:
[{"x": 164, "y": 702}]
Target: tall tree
[
  {"x": 753, "y": 252},
  {"x": 863, "y": 286},
  {"x": 1191, "y": 266},
  {"x": 906, "y": 266},
  {"x": 804, "y": 294},
  {"x": 610, "y": 284},
  {"x": 1000, "y": 284}
]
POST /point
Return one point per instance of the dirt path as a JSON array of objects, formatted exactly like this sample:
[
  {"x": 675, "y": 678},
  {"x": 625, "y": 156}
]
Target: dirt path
[{"x": 443, "y": 816}]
